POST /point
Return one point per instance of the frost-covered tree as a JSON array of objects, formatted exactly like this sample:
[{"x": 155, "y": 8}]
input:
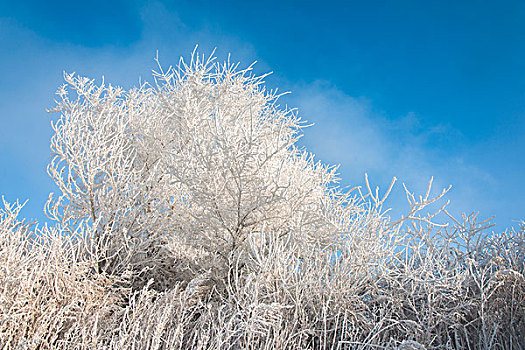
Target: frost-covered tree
[
  {"x": 204, "y": 159},
  {"x": 188, "y": 217}
]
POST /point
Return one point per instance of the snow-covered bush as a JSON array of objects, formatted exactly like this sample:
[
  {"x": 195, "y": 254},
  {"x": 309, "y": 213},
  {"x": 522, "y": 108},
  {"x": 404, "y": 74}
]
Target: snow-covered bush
[{"x": 187, "y": 217}]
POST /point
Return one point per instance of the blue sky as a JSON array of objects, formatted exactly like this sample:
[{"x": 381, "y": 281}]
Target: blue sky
[{"x": 395, "y": 88}]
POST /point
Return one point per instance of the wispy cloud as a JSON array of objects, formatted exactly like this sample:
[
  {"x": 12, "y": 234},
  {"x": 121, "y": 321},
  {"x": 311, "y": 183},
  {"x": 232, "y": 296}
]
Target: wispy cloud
[{"x": 350, "y": 131}]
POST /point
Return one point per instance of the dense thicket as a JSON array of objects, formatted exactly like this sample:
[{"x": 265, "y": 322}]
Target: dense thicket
[{"x": 188, "y": 218}]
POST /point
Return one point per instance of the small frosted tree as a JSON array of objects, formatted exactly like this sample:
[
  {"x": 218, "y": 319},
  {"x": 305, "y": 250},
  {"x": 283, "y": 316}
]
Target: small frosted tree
[{"x": 203, "y": 159}]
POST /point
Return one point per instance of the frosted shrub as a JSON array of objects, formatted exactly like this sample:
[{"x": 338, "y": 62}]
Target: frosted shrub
[
  {"x": 187, "y": 218},
  {"x": 49, "y": 285}
]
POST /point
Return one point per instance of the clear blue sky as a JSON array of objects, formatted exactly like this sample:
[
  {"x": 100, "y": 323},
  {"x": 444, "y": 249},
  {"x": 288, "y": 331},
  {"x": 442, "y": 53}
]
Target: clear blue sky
[{"x": 396, "y": 88}]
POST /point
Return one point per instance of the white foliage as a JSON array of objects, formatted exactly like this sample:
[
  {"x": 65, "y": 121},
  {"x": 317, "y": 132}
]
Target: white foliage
[{"x": 188, "y": 218}]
